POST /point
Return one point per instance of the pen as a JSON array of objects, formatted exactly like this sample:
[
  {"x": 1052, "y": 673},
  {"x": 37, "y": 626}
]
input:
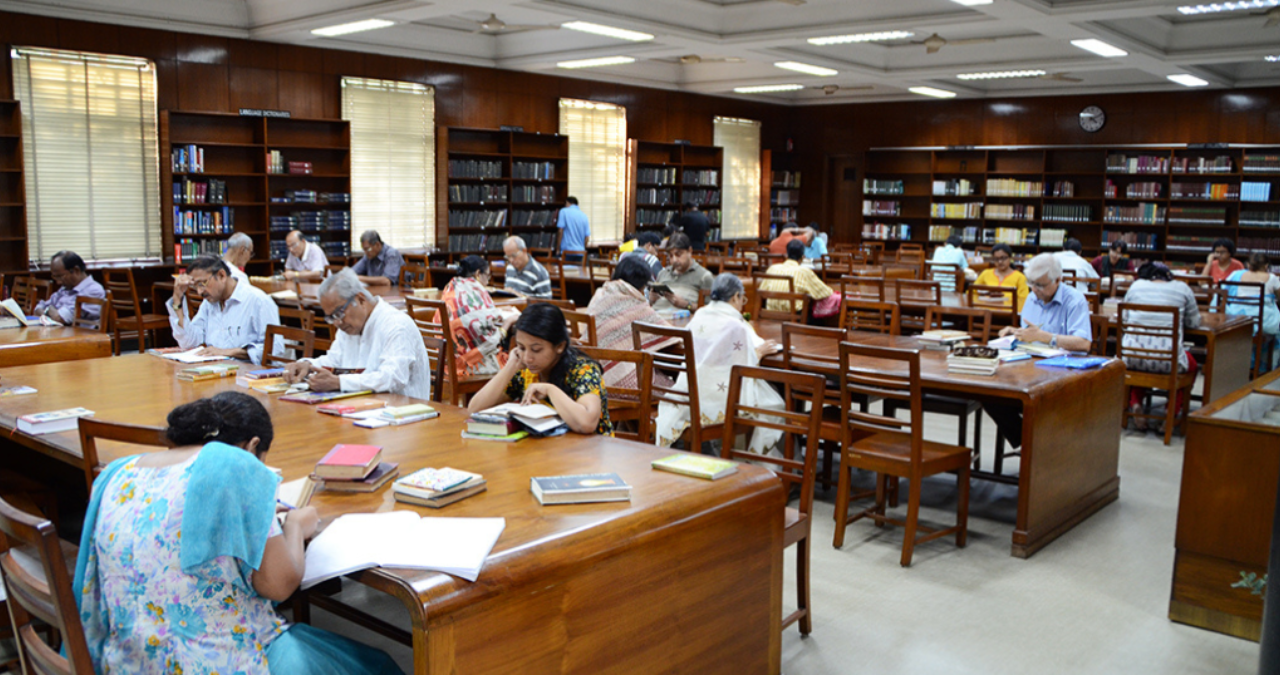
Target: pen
[{"x": 287, "y": 507}]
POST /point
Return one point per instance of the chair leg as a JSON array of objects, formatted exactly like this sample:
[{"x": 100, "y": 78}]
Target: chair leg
[
  {"x": 962, "y": 508},
  {"x": 802, "y": 585},
  {"x": 842, "y": 503},
  {"x": 999, "y": 460},
  {"x": 963, "y": 437},
  {"x": 977, "y": 437},
  {"x": 882, "y": 486},
  {"x": 913, "y": 515},
  {"x": 1170, "y": 413},
  {"x": 1124, "y": 416}
]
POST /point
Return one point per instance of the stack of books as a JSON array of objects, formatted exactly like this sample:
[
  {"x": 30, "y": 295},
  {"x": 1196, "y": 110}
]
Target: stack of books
[
  {"x": 485, "y": 427},
  {"x": 355, "y": 468},
  {"x": 377, "y": 418},
  {"x": 349, "y": 408},
  {"x": 210, "y": 372},
  {"x": 942, "y": 340},
  {"x": 259, "y": 378},
  {"x": 435, "y": 488},
  {"x": 973, "y": 361},
  {"x": 52, "y": 422},
  {"x": 512, "y": 422}
]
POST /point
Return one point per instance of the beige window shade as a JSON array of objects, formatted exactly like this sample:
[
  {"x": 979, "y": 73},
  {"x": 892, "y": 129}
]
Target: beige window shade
[
  {"x": 740, "y": 200},
  {"x": 91, "y": 154},
  {"x": 393, "y": 160},
  {"x": 597, "y": 163}
]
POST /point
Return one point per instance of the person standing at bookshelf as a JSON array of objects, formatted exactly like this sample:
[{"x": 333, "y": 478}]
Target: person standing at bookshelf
[
  {"x": 239, "y": 251},
  {"x": 232, "y": 321},
  {"x": 694, "y": 223},
  {"x": 1114, "y": 260},
  {"x": 524, "y": 275},
  {"x": 1220, "y": 263},
  {"x": 575, "y": 231},
  {"x": 68, "y": 271},
  {"x": 306, "y": 262},
  {"x": 683, "y": 277},
  {"x": 379, "y": 343},
  {"x": 381, "y": 263},
  {"x": 950, "y": 253}
]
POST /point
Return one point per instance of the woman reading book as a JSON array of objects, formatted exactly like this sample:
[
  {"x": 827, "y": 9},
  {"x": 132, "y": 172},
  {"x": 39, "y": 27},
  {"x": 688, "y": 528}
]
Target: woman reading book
[
  {"x": 544, "y": 368},
  {"x": 1003, "y": 274},
  {"x": 182, "y": 558}
]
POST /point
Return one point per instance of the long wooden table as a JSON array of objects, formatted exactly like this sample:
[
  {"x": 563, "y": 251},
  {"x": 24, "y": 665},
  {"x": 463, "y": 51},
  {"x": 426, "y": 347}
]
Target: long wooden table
[
  {"x": 1070, "y": 430},
  {"x": 1227, "y": 341},
  {"x": 687, "y": 577},
  {"x": 25, "y": 346}
]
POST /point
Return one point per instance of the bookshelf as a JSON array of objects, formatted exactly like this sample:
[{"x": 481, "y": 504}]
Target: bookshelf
[
  {"x": 784, "y": 193},
  {"x": 1168, "y": 203},
  {"x": 667, "y": 175},
  {"x": 13, "y": 209},
  {"x": 223, "y": 173},
  {"x": 492, "y": 184}
]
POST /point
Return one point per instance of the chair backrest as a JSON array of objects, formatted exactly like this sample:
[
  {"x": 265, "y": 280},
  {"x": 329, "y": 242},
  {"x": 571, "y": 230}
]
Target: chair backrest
[
  {"x": 858, "y": 379},
  {"x": 1001, "y": 300},
  {"x": 124, "y": 293},
  {"x": 1083, "y": 284},
  {"x": 742, "y": 267},
  {"x": 720, "y": 247},
  {"x": 23, "y": 294},
  {"x": 541, "y": 254},
  {"x": 862, "y": 288},
  {"x": 870, "y": 315},
  {"x": 1095, "y": 300},
  {"x": 874, "y": 251},
  {"x": 977, "y": 322},
  {"x": 739, "y": 418},
  {"x": 438, "y": 359},
  {"x": 673, "y": 362},
  {"x": 947, "y": 274},
  {"x": 910, "y": 256},
  {"x": 555, "y": 270},
  {"x": 761, "y": 277},
  {"x": 41, "y": 289},
  {"x": 305, "y": 318},
  {"x": 40, "y": 589},
  {"x": 704, "y": 296},
  {"x": 641, "y": 394},
  {"x": 81, "y": 320},
  {"x": 302, "y": 344},
  {"x": 1101, "y": 325},
  {"x": 902, "y": 270},
  {"x": 1125, "y": 325},
  {"x": 914, "y": 292},
  {"x": 582, "y": 327},
  {"x": 599, "y": 270},
  {"x": 432, "y": 319},
  {"x": 819, "y": 359},
  {"x": 1252, "y": 301},
  {"x": 135, "y": 434},
  {"x": 796, "y": 307},
  {"x": 1119, "y": 277},
  {"x": 414, "y": 275},
  {"x": 562, "y": 304}
]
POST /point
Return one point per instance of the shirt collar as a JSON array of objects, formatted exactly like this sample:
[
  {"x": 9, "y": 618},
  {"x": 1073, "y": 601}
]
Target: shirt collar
[
  {"x": 1060, "y": 297},
  {"x": 85, "y": 284}
]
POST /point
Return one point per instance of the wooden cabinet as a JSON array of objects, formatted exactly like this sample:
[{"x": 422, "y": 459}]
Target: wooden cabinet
[
  {"x": 1230, "y": 470},
  {"x": 669, "y": 175},
  {"x": 13, "y": 209}
]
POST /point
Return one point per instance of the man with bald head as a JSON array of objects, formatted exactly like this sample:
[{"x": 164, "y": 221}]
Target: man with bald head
[
  {"x": 306, "y": 262},
  {"x": 523, "y": 274}
]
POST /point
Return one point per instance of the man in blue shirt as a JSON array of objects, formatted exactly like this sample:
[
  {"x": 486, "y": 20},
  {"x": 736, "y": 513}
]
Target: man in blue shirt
[
  {"x": 381, "y": 263},
  {"x": 816, "y": 247},
  {"x": 575, "y": 230}
]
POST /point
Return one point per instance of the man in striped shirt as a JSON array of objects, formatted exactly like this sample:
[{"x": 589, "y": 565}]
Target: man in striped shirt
[{"x": 523, "y": 274}]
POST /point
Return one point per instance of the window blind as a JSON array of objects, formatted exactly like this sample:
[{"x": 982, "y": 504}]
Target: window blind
[
  {"x": 91, "y": 154},
  {"x": 740, "y": 201},
  {"x": 597, "y": 163},
  {"x": 393, "y": 160}
]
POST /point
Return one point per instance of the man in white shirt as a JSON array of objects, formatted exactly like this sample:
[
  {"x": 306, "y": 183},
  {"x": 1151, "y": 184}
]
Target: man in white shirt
[
  {"x": 306, "y": 262},
  {"x": 379, "y": 342},
  {"x": 1069, "y": 258},
  {"x": 233, "y": 318},
  {"x": 239, "y": 251}
]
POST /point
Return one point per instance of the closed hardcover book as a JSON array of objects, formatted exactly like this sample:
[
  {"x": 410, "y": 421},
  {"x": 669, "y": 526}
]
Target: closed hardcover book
[
  {"x": 53, "y": 421},
  {"x": 263, "y": 373},
  {"x": 210, "y": 372},
  {"x": 348, "y": 407},
  {"x": 315, "y": 397},
  {"x": 580, "y": 488},
  {"x": 432, "y": 482},
  {"x": 442, "y": 500},
  {"x": 407, "y": 411},
  {"x": 382, "y": 474},
  {"x": 509, "y": 438},
  {"x": 699, "y": 466},
  {"x": 491, "y": 426},
  {"x": 349, "y": 461}
]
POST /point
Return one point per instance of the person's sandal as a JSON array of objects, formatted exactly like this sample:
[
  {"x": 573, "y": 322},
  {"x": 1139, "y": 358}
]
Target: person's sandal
[{"x": 1139, "y": 423}]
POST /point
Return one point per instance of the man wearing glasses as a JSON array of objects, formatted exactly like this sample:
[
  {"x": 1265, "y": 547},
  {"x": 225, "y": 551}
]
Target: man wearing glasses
[
  {"x": 523, "y": 274},
  {"x": 232, "y": 320},
  {"x": 378, "y": 346}
]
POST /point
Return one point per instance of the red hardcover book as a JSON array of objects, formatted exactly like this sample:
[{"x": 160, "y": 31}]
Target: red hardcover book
[{"x": 349, "y": 461}]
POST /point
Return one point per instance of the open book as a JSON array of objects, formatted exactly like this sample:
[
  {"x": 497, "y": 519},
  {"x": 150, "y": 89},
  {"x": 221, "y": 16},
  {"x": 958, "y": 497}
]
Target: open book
[
  {"x": 357, "y": 541},
  {"x": 11, "y": 306},
  {"x": 537, "y": 417},
  {"x": 190, "y": 356}
]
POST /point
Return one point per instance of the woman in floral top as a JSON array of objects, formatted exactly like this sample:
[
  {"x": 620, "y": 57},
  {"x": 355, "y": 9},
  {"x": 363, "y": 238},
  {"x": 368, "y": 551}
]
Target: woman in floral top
[
  {"x": 182, "y": 558},
  {"x": 544, "y": 368}
]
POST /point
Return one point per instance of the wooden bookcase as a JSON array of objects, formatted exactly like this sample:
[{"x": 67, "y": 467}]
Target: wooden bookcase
[
  {"x": 261, "y": 203},
  {"x": 492, "y": 184},
  {"x": 1169, "y": 203},
  {"x": 784, "y": 191},
  {"x": 669, "y": 174},
  {"x": 13, "y": 202}
]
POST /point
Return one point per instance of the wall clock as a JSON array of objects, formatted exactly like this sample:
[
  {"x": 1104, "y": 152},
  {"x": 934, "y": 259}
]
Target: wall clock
[{"x": 1092, "y": 119}]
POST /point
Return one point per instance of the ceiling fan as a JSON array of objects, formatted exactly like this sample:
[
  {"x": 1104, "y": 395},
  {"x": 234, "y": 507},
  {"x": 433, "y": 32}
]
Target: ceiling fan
[
  {"x": 935, "y": 42},
  {"x": 495, "y": 25}
]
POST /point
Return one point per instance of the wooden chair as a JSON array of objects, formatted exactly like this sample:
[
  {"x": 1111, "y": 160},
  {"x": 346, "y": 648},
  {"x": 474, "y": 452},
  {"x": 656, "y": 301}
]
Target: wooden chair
[
  {"x": 868, "y": 315},
  {"x": 438, "y": 358},
  {"x": 902, "y": 270},
  {"x": 101, "y": 323},
  {"x": 413, "y": 275},
  {"x": 916, "y": 295},
  {"x": 741, "y": 267},
  {"x": 862, "y": 288},
  {"x": 976, "y": 322},
  {"x": 555, "y": 270},
  {"x": 1117, "y": 277},
  {"x": 582, "y": 327},
  {"x": 541, "y": 254},
  {"x": 599, "y": 270},
  {"x": 34, "y": 568},
  {"x": 23, "y": 294},
  {"x": 1171, "y": 382},
  {"x": 333, "y": 269},
  {"x": 298, "y": 317},
  {"x": 629, "y": 404},
  {"x": 798, "y": 303},
  {"x": 797, "y": 521},
  {"x": 1255, "y": 306},
  {"x": 948, "y": 275},
  {"x": 704, "y": 296},
  {"x": 1001, "y": 300},
  {"x": 718, "y": 247},
  {"x": 432, "y": 319},
  {"x": 302, "y": 344},
  {"x": 894, "y": 447},
  {"x": 761, "y": 277},
  {"x": 562, "y": 304},
  {"x": 127, "y": 317},
  {"x": 874, "y": 250},
  {"x": 134, "y": 434},
  {"x": 673, "y": 362},
  {"x": 41, "y": 290}
]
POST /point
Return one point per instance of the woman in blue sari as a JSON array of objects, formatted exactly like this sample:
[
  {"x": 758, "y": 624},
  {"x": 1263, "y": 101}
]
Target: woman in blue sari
[{"x": 182, "y": 559}]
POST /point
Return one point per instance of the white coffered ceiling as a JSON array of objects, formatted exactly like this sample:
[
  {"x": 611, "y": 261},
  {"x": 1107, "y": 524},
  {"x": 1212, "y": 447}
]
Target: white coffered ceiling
[{"x": 738, "y": 41}]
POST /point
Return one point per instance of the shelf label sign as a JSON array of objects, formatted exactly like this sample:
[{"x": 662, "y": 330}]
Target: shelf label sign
[
  {"x": 510, "y": 127},
  {"x": 256, "y": 112}
]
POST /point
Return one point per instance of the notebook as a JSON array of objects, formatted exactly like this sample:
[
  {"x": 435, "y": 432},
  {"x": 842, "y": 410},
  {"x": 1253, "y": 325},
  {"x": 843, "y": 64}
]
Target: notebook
[{"x": 357, "y": 541}]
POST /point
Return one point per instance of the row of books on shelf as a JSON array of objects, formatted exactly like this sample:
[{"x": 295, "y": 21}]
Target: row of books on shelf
[
  {"x": 1068, "y": 213},
  {"x": 1197, "y": 215},
  {"x": 312, "y": 221},
  {"x": 188, "y": 191},
  {"x": 1010, "y": 235},
  {"x": 1147, "y": 214},
  {"x": 655, "y": 216},
  {"x": 1220, "y": 164},
  {"x": 276, "y": 164},
  {"x": 1008, "y": 187},
  {"x": 204, "y": 221},
  {"x": 1062, "y": 188},
  {"x": 872, "y": 186},
  {"x": 786, "y": 197},
  {"x": 956, "y": 187},
  {"x": 1146, "y": 190},
  {"x": 312, "y": 197},
  {"x": 871, "y": 207},
  {"x": 1009, "y": 212},
  {"x": 1137, "y": 241},
  {"x": 783, "y": 215},
  {"x": 187, "y": 159},
  {"x": 537, "y": 218},
  {"x": 1137, "y": 164},
  {"x": 655, "y": 195},
  {"x": 533, "y": 170},
  {"x": 1260, "y": 218},
  {"x": 886, "y": 231},
  {"x": 786, "y": 179},
  {"x": 701, "y": 177},
  {"x": 1203, "y": 191},
  {"x": 1048, "y": 237},
  {"x": 474, "y": 168},
  {"x": 477, "y": 218},
  {"x": 1255, "y": 192},
  {"x": 1267, "y": 245},
  {"x": 533, "y": 194},
  {"x": 185, "y": 250},
  {"x": 493, "y": 242},
  {"x": 1256, "y": 163},
  {"x": 702, "y": 197},
  {"x": 477, "y": 193},
  {"x": 279, "y": 250},
  {"x": 658, "y": 175},
  {"x": 972, "y": 210},
  {"x": 1189, "y": 243}
]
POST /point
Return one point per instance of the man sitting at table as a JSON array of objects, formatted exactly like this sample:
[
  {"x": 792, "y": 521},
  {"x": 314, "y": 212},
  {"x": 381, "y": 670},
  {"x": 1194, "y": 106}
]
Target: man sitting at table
[
  {"x": 1071, "y": 261},
  {"x": 1057, "y": 315},
  {"x": 683, "y": 276},
  {"x": 790, "y": 231},
  {"x": 647, "y": 251},
  {"x": 524, "y": 275},
  {"x": 381, "y": 263},
  {"x": 826, "y": 302},
  {"x": 68, "y": 270},
  {"x": 306, "y": 262},
  {"x": 232, "y": 320},
  {"x": 239, "y": 253},
  {"x": 950, "y": 253},
  {"x": 378, "y": 341}
]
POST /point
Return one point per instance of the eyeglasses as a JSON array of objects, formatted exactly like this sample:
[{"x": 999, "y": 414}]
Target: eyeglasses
[
  {"x": 336, "y": 317},
  {"x": 1000, "y": 258},
  {"x": 202, "y": 284}
]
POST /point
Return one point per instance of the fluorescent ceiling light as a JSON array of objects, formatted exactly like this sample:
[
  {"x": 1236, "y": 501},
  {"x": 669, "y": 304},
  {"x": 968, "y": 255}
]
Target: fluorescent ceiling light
[
  {"x": 767, "y": 88},
  {"x": 1100, "y": 48},
  {"x": 1188, "y": 80},
  {"x": 1274, "y": 58},
  {"x": 861, "y": 37},
  {"x": 806, "y": 68},
  {"x": 930, "y": 91},
  {"x": 595, "y": 63},
  {"x": 1228, "y": 6},
  {"x": 970, "y": 3},
  {"x": 607, "y": 31},
  {"x": 1001, "y": 75},
  {"x": 353, "y": 27}
]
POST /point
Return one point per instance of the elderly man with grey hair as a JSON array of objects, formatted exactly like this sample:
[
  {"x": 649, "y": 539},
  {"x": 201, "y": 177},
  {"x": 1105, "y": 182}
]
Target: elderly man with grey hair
[
  {"x": 377, "y": 348},
  {"x": 381, "y": 263},
  {"x": 239, "y": 251},
  {"x": 523, "y": 274}
]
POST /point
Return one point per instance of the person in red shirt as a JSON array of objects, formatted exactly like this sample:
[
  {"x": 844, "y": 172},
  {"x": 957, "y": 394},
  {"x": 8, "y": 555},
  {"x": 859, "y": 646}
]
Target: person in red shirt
[
  {"x": 1220, "y": 264},
  {"x": 792, "y": 231}
]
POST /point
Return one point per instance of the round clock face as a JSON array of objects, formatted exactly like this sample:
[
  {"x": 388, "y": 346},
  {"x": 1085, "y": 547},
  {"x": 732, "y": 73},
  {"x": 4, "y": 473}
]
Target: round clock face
[{"x": 1092, "y": 118}]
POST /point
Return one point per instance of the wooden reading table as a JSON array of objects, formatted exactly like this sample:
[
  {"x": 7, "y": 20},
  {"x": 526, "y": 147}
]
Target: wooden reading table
[
  {"x": 24, "y": 346},
  {"x": 686, "y": 577}
]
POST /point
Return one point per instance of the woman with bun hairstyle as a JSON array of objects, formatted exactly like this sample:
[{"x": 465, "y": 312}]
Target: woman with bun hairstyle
[{"x": 182, "y": 559}]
